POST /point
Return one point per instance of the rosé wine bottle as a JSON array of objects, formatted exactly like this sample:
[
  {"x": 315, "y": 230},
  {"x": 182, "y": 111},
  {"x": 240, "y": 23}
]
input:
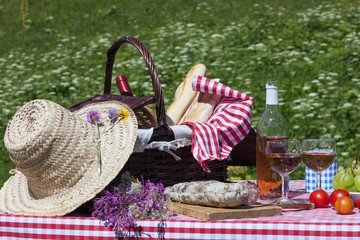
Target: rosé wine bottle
[{"x": 272, "y": 125}]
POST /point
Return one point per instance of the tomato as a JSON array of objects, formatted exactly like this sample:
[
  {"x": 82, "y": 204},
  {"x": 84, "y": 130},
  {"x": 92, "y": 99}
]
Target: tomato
[
  {"x": 344, "y": 205},
  {"x": 320, "y": 198},
  {"x": 337, "y": 194},
  {"x": 358, "y": 203}
]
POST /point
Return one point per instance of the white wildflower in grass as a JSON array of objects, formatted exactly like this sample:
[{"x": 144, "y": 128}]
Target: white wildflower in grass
[
  {"x": 327, "y": 136},
  {"x": 247, "y": 81},
  {"x": 312, "y": 94},
  {"x": 344, "y": 154},
  {"x": 315, "y": 81},
  {"x": 260, "y": 45},
  {"x": 216, "y": 35},
  {"x": 6, "y": 111},
  {"x": 216, "y": 50},
  {"x": 316, "y": 104},
  {"x": 104, "y": 40},
  {"x": 337, "y": 136},
  {"x": 257, "y": 46},
  {"x": 293, "y": 53},
  {"x": 29, "y": 80},
  {"x": 296, "y": 107},
  {"x": 298, "y": 115},
  {"x": 347, "y": 105},
  {"x": 308, "y": 60},
  {"x": 310, "y": 115}
]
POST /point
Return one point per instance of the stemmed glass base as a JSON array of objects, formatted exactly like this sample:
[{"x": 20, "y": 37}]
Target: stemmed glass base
[{"x": 284, "y": 200}]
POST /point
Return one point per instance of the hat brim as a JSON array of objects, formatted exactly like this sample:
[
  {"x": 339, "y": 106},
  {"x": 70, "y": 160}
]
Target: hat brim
[{"x": 118, "y": 139}]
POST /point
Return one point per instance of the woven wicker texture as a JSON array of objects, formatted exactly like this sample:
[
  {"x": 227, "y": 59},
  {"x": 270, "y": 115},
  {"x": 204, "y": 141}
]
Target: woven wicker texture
[
  {"x": 153, "y": 164},
  {"x": 55, "y": 154}
]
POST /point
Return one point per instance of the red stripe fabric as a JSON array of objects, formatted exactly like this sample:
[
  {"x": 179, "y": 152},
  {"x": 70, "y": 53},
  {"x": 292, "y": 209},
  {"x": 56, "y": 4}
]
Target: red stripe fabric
[
  {"x": 315, "y": 224},
  {"x": 229, "y": 124}
]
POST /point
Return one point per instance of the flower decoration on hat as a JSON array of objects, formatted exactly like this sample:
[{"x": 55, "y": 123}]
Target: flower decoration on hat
[{"x": 94, "y": 117}]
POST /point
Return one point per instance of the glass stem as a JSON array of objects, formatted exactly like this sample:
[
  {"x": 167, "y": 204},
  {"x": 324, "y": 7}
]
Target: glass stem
[
  {"x": 285, "y": 186},
  {"x": 318, "y": 180}
]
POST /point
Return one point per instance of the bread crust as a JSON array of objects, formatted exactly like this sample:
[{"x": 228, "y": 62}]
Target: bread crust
[
  {"x": 201, "y": 108},
  {"x": 184, "y": 95}
]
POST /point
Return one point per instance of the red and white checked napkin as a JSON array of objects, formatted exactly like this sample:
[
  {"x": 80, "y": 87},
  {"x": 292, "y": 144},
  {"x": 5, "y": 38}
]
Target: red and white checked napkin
[{"x": 228, "y": 125}]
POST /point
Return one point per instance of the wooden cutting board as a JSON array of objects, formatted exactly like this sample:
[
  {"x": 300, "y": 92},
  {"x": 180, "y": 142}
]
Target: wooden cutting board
[{"x": 213, "y": 213}]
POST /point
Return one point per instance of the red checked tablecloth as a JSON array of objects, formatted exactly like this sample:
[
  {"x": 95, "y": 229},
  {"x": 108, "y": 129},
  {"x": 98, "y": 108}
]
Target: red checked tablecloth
[{"x": 292, "y": 224}]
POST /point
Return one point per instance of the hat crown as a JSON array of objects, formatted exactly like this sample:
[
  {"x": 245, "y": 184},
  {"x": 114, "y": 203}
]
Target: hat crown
[{"x": 50, "y": 146}]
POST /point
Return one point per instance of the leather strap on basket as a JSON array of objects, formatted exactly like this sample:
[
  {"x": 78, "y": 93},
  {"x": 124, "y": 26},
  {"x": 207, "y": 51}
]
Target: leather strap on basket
[{"x": 159, "y": 100}]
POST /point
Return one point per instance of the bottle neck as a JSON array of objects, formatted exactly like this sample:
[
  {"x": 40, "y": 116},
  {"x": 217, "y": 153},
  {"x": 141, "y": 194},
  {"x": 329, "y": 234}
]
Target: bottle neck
[
  {"x": 272, "y": 108},
  {"x": 272, "y": 96},
  {"x": 123, "y": 86},
  {"x": 272, "y": 122}
]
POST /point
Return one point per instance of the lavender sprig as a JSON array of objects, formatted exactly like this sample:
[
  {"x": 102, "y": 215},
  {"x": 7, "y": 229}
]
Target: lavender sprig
[{"x": 121, "y": 210}]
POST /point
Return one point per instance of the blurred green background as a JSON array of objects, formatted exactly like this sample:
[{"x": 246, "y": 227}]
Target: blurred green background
[{"x": 56, "y": 50}]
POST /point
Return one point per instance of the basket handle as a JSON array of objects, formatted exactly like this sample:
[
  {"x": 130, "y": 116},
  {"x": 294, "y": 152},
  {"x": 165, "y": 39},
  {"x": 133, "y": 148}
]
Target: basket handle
[{"x": 159, "y": 99}]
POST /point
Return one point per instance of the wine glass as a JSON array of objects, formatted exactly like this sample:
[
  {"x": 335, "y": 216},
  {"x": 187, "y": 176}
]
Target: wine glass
[
  {"x": 318, "y": 155},
  {"x": 284, "y": 157}
]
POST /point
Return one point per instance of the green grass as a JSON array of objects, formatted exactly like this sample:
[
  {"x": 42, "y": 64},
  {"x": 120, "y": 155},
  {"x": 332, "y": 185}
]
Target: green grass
[{"x": 311, "y": 49}]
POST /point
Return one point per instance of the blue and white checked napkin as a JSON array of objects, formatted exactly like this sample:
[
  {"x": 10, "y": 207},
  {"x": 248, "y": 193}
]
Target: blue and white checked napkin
[{"x": 326, "y": 178}]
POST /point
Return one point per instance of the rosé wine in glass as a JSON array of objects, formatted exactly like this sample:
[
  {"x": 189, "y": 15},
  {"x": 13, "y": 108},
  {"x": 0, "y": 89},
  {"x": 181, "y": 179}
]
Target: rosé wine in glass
[
  {"x": 284, "y": 157},
  {"x": 318, "y": 155}
]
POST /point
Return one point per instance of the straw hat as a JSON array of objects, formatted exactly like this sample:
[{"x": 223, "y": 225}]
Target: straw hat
[{"x": 55, "y": 154}]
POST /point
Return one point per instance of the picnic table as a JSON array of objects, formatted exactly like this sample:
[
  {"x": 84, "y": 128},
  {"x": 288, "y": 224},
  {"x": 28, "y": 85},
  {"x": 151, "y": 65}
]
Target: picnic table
[{"x": 320, "y": 223}]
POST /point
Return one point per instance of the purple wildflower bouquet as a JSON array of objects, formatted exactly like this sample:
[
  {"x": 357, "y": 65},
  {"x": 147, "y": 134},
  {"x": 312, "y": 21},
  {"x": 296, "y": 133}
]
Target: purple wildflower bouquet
[
  {"x": 94, "y": 117},
  {"x": 121, "y": 208}
]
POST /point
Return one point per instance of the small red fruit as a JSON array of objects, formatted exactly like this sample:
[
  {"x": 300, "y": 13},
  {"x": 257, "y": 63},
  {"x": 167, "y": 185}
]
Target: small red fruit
[
  {"x": 358, "y": 203},
  {"x": 344, "y": 205},
  {"x": 320, "y": 198},
  {"x": 338, "y": 193}
]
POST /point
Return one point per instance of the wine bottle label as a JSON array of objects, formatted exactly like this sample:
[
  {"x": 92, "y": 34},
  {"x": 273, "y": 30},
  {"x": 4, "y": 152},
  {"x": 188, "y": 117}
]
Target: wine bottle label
[{"x": 272, "y": 94}]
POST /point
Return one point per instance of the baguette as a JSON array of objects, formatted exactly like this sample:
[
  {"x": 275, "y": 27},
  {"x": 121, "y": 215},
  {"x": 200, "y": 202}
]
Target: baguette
[
  {"x": 184, "y": 95},
  {"x": 190, "y": 111},
  {"x": 201, "y": 108}
]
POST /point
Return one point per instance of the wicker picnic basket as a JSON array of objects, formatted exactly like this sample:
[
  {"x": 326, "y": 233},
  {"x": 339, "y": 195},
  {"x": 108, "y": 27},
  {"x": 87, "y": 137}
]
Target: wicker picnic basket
[{"x": 153, "y": 164}]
